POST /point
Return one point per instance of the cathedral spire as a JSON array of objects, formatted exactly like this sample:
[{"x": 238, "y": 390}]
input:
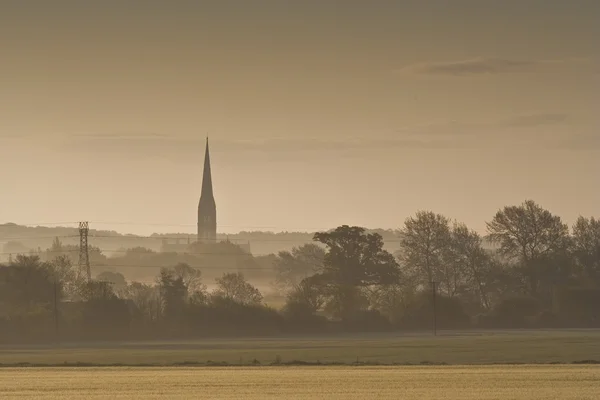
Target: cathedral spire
[
  {"x": 207, "y": 189},
  {"x": 207, "y": 210}
]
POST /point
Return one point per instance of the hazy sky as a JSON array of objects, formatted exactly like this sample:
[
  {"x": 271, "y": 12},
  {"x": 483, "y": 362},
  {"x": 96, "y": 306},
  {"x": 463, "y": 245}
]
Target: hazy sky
[{"x": 319, "y": 113}]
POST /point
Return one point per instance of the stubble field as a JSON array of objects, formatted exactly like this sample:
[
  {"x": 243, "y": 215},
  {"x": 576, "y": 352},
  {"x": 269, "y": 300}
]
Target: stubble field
[
  {"x": 177, "y": 369},
  {"x": 436, "y": 382}
]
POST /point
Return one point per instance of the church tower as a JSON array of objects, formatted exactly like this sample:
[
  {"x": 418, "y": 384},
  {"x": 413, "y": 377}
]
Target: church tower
[{"x": 207, "y": 209}]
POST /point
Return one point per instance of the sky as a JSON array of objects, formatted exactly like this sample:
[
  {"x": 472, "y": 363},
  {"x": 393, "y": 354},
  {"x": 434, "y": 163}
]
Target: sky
[{"x": 319, "y": 113}]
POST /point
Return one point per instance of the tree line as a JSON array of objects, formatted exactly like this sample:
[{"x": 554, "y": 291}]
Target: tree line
[{"x": 539, "y": 273}]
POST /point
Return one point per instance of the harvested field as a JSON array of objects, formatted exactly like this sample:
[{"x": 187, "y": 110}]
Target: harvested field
[{"x": 447, "y": 382}]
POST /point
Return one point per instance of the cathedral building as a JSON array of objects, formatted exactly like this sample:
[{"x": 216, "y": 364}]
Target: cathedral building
[{"x": 207, "y": 218}]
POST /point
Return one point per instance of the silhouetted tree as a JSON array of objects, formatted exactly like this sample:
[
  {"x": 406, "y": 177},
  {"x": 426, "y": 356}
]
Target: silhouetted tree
[
  {"x": 234, "y": 287},
  {"x": 64, "y": 272},
  {"x": 27, "y": 286},
  {"x": 116, "y": 279},
  {"x": 354, "y": 260},
  {"x": 146, "y": 299},
  {"x": 468, "y": 266},
  {"x": 173, "y": 295},
  {"x": 192, "y": 279},
  {"x": 293, "y": 266},
  {"x": 586, "y": 248},
  {"x": 534, "y": 239},
  {"x": 97, "y": 290},
  {"x": 307, "y": 294},
  {"x": 425, "y": 241}
]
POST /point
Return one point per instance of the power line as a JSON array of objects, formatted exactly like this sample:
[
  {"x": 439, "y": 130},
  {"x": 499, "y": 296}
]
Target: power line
[
  {"x": 44, "y": 224},
  {"x": 242, "y": 268},
  {"x": 244, "y": 239},
  {"x": 233, "y": 240},
  {"x": 282, "y": 229},
  {"x": 154, "y": 253},
  {"x": 41, "y": 237}
]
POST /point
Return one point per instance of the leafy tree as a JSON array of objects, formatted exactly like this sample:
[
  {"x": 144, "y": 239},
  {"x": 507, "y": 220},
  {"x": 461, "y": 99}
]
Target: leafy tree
[
  {"x": 586, "y": 247},
  {"x": 307, "y": 294},
  {"x": 97, "y": 290},
  {"x": 425, "y": 240},
  {"x": 234, "y": 287},
  {"x": 534, "y": 239},
  {"x": 392, "y": 300},
  {"x": 72, "y": 252},
  {"x": 192, "y": 279},
  {"x": 293, "y": 266},
  {"x": 173, "y": 294},
  {"x": 116, "y": 279},
  {"x": 57, "y": 246},
  {"x": 138, "y": 251},
  {"x": 146, "y": 299},
  {"x": 64, "y": 272},
  {"x": 28, "y": 287},
  {"x": 354, "y": 260}
]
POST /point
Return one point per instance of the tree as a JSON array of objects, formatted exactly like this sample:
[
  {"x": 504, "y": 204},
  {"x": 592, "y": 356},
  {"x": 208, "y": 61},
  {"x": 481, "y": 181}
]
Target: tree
[
  {"x": 57, "y": 246},
  {"x": 28, "y": 286},
  {"x": 532, "y": 238},
  {"x": 116, "y": 279},
  {"x": 72, "y": 252},
  {"x": 234, "y": 287},
  {"x": 469, "y": 265},
  {"x": 64, "y": 272},
  {"x": 425, "y": 240},
  {"x": 29, "y": 296},
  {"x": 293, "y": 266},
  {"x": 586, "y": 247},
  {"x": 173, "y": 294},
  {"x": 192, "y": 278},
  {"x": 145, "y": 298},
  {"x": 97, "y": 291},
  {"x": 307, "y": 294},
  {"x": 354, "y": 260},
  {"x": 392, "y": 300}
]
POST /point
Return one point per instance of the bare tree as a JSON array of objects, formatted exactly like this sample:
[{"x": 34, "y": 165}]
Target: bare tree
[
  {"x": 469, "y": 263},
  {"x": 425, "y": 239},
  {"x": 586, "y": 247}
]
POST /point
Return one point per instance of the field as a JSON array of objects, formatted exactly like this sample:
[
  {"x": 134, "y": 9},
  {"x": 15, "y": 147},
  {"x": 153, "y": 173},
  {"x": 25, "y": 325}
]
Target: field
[
  {"x": 449, "y": 382},
  {"x": 525, "y": 347},
  {"x": 179, "y": 369}
]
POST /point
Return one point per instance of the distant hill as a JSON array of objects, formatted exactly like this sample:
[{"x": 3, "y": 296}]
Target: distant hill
[{"x": 20, "y": 239}]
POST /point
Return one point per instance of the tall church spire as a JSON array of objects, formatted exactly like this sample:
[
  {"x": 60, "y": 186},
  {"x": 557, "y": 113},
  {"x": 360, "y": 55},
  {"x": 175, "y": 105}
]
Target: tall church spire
[
  {"x": 207, "y": 189},
  {"x": 207, "y": 210}
]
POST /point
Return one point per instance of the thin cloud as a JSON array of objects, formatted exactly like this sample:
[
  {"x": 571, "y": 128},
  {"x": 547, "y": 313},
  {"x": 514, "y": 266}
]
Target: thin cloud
[
  {"x": 298, "y": 145},
  {"x": 188, "y": 149},
  {"x": 124, "y": 135},
  {"x": 533, "y": 120},
  {"x": 467, "y": 128},
  {"x": 446, "y": 135},
  {"x": 478, "y": 66},
  {"x": 590, "y": 141}
]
